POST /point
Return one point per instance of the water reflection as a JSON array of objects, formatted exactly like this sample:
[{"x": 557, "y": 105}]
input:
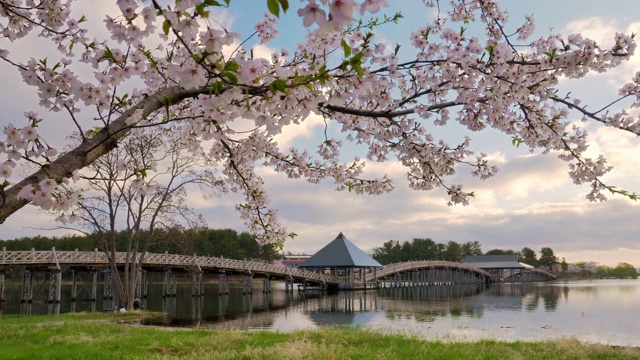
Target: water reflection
[
  {"x": 425, "y": 304},
  {"x": 598, "y": 311}
]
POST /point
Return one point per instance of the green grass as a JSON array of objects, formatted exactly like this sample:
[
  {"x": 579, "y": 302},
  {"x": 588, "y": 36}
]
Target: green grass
[{"x": 116, "y": 336}]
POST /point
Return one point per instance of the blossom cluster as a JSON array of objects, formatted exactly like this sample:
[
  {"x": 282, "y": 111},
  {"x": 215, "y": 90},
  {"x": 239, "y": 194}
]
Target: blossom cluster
[{"x": 193, "y": 78}]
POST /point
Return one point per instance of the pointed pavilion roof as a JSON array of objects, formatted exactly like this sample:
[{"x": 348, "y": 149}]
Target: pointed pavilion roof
[{"x": 340, "y": 253}]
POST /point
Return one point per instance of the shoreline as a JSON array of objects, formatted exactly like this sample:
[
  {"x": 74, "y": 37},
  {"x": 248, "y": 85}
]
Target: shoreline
[{"x": 121, "y": 335}]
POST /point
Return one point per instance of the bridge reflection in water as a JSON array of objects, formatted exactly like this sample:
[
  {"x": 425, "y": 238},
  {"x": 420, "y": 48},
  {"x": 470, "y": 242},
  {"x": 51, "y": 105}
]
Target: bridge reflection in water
[
  {"x": 285, "y": 311},
  {"x": 37, "y": 277}
]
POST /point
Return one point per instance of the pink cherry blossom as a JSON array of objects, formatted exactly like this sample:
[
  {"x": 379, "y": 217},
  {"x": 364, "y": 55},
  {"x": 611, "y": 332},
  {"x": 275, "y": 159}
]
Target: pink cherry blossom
[
  {"x": 372, "y": 6},
  {"x": 312, "y": 13},
  {"x": 175, "y": 66}
]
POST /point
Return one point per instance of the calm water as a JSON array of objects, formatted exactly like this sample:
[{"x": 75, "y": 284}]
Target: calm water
[{"x": 599, "y": 311}]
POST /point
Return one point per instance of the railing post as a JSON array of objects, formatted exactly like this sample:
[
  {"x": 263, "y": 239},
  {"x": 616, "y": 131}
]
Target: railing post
[
  {"x": 4, "y": 255},
  {"x": 55, "y": 257}
]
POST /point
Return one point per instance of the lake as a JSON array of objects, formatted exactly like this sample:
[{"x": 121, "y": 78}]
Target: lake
[{"x": 598, "y": 311}]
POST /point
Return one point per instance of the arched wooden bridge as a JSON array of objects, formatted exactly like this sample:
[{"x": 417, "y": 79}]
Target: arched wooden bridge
[
  {"x": 418, "y": 273},
  {"x": 46, "y": 268}
]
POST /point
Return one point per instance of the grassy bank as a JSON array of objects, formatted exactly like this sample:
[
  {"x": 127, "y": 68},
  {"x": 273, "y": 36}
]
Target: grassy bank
[{"x": 115, "y": 336}]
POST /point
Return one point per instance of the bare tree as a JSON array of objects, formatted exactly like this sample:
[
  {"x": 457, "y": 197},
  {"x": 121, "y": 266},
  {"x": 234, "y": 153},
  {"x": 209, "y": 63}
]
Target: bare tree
[{"x": 119, "y": 195}]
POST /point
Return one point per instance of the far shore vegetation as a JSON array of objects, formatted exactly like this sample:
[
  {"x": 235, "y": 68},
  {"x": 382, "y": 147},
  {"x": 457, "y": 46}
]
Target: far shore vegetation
[{"x": 120, "y": 336}]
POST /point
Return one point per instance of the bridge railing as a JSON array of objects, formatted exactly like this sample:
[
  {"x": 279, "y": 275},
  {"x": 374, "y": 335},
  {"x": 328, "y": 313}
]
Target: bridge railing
[
  {"x": 545, "y": 272},
  {"x": 416, "y": 265},
  {"x": 53, "y": 257}
]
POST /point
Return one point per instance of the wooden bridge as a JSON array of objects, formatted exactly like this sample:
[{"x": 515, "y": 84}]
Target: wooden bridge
[
  {"x": 42, "y": 273},
  {"x": 45, "y": 269},
  {"x": 421, "y": 273}
]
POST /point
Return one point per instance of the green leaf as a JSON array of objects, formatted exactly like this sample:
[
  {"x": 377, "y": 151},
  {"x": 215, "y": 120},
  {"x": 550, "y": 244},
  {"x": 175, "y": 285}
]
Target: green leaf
[
  {"x": 166, "y": 26},
  {"x": 108, "y": 54},
  {"x": 356, "y": 63},
  {"x": 285, "y": 5},
  {"x": 231, "y": 66},
  {"x": 217, "y": 87},
  {"x": 517, "y": 140},
  {"x": 274, "y": 7},
  {"x": 278, "y": 85},
  {"x": 489, "y": 49},
  {"x": 347, "y": 49},
  {"x": 231, "y": 77},
  {"x": 200, "y": 10},
  {"x": 93, "y": 132}
]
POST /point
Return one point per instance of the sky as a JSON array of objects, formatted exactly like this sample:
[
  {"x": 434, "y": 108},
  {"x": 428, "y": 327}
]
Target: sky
[{"x": 530, "y": 202}]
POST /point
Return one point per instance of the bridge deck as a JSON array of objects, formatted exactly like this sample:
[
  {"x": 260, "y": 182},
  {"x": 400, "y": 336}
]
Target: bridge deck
[
  {"x": 55, "y": 259},
  {"x": 95, "y": 259}
]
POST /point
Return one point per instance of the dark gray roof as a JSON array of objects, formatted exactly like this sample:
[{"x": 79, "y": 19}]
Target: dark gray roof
[
  {"x": 490, "y": 258},
  {"x": 340, "y": 253},
  {"x": 496, "y": 262}
]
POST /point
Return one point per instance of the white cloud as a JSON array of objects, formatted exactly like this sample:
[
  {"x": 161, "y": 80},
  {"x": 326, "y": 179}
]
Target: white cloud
[
  {"x": 305, "y": 130},
  {"x": 597, "y": 28}
]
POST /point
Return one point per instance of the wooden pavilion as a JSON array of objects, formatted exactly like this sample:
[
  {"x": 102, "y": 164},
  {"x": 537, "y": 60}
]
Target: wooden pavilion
[{"x": 345, "y": 260}]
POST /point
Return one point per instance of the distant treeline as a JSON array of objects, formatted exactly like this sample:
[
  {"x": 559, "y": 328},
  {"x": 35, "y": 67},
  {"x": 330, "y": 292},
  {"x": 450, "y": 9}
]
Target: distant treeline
[
  {"x": 426, "y": 249},
  {"x": 202, "y": 241}
]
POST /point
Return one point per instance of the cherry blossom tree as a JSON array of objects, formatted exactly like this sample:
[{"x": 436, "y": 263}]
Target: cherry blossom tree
[{"x": 175, "y": 65}]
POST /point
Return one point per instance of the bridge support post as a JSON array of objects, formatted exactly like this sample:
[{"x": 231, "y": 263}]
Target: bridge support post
[
  {"x": 27, "y": 288},
  {"x": 248, "y": 303},
  {"x": 143, "y": 284},
  {"x": 266, "y": 285},
  {"x": 197, "y": 288},
  {"x": 94, "y": 285},
  {"x": 288, "y": 285},
  {"x": 223, "y": 286},
  {"x": 196, "y": 308},
  {"x": 55, "y": 286},
  {"x": 107, "y": 290},
  {"x": 74, "y": 286},
  {"x": 223, "y": 301},
  {"x": 247, "y": 286},
  {"x": 169, "y": 284},
  {"x": 1, "y": 287}
]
